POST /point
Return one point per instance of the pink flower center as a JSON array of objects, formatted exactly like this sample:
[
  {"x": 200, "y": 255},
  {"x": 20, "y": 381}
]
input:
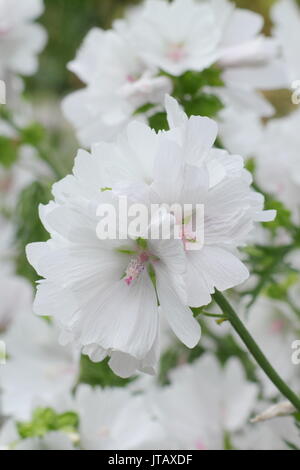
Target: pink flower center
[
  {"x": 200, "y": 445},
  {"x": 135, "y": 267},
  {"x": 130, "y": 78},
  {"x": 277, "y": 326}
]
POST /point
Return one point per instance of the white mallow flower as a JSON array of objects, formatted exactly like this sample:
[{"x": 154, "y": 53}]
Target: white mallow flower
[
  {"x": 108, "y": 297},
  {"x": 204, "y": 403},
  {"x": 286, "y": 19},
  {"x": 277, "y": 161},
  {"x": 118, "y": 83},
  {"x": 37, "y": 367},
  {"x": 20, "y": 38},
  {"x": 115, "y": 418},
  {"x": 106, "y": 288},
  {"x": 192, "y": 35},
  {"x": 177, "y": 36}
]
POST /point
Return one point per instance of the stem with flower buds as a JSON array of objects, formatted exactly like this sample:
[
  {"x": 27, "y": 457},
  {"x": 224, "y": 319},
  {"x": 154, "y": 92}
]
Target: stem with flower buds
[{"x": 254, "y": 349}]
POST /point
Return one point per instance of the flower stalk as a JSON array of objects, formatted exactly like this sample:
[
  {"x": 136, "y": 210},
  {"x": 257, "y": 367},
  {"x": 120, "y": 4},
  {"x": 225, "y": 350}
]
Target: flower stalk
[{"x": 254, "y": 349}]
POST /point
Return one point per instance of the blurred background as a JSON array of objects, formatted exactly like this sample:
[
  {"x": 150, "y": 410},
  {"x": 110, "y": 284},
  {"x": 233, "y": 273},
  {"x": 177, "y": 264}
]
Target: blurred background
[{"x": 68, "y": 21}]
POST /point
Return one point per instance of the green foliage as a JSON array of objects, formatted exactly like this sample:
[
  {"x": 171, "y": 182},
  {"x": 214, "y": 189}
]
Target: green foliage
[
  {"x": 283, "y": 215},
  {"x": 190, "y": 83},
  {"x": 8, "y": 151},
  {"x": 159, "y": 121},
  {"x": 33, "y": 134},
  {"x": 99, "y": 374},
  {"x": 203, "y": 105},
  {"x": 28, "y": 225},
  {"x": 45, "y": 420}
]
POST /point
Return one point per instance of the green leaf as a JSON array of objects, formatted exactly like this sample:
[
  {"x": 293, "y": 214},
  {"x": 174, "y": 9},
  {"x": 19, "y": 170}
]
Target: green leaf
[
  {"x": 283, "y": 217},
  {"x": 143, "y": 109},
  {"x": 28, "y": 225},
  {"x": 159, "y": 121},
  {"x": 203, "y": 105},
  {"x": 33, "y": 134},
  {"x": 8, "y": 151},
  {"x": 45, "y": 420}
]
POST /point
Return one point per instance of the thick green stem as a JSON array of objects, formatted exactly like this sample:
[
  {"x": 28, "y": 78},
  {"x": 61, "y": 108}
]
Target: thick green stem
[{"x": 254, "y": 349}]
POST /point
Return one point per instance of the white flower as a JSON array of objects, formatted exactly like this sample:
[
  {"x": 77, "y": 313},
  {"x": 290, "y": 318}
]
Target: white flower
[
  {"x": 37, "y": 366},
  {"x": 203, "y": 402},
  {"x": 286, "y": 18},
  {"x": 118, "y": 83},
  {"x": 271, "y": 435},
  {"x": 16, "y": 295},
  {"x": 20, "y": 39},
  {"x": 277, "y": 161},
  {"x": 115, "y": 418},
  {"x": 177, "y": 36},
  {"x": 103, "y": 313}
]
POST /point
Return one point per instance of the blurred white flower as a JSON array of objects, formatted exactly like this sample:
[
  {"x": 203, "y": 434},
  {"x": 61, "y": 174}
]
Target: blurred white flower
[
  {"x": 204, "y": 402},
  {"x": 20, "y": 38},
  {"x": 274, "y": 326},
  {"x": 286, "y": 18},
  {"x": 271, "y": 435},
  {"x": 176, "y": 37},
  {"x": 53, "y": 440},
  {"x": 277, "y": 161},
  {"x": 115, "y": 418},
  {"x": 118, "y": 83}
]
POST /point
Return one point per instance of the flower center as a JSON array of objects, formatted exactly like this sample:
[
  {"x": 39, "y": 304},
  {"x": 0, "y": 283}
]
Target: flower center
[
  {"x": 135, "y": 267},
  {"x": 176, "y": 52}
]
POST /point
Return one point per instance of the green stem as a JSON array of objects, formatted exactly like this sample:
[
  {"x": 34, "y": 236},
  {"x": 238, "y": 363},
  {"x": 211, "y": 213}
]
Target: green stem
[{"x": 255, "y": 350}]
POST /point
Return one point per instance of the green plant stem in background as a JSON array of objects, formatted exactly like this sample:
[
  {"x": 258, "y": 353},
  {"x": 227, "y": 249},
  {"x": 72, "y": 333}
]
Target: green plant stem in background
[{"x": 254, "y": 349}]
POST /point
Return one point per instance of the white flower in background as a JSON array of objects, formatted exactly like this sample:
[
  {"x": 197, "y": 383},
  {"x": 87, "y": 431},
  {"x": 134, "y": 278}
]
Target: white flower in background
[
  {"x": 20, "y": 38},
  {"x": 274, "y": 326},
  {"x": 177, "y": 36},
  {"x": 106, "y": 315},
  {"x": 120, "y": 67},
  {"x": 271, "y": 435},
  {"x": 204, "y": 402},
  {"x": 37, "y": 425},
  {"x": 277, "y": 161},
  {"x": 286, "y": 18},
  {"x": 193, "y": 35},
  {"x": 115, "y": 418},
  {"x": 37, "y": 366},
  {"x": 118, "y": 83},
  {"x": 53, "y": 440}
]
